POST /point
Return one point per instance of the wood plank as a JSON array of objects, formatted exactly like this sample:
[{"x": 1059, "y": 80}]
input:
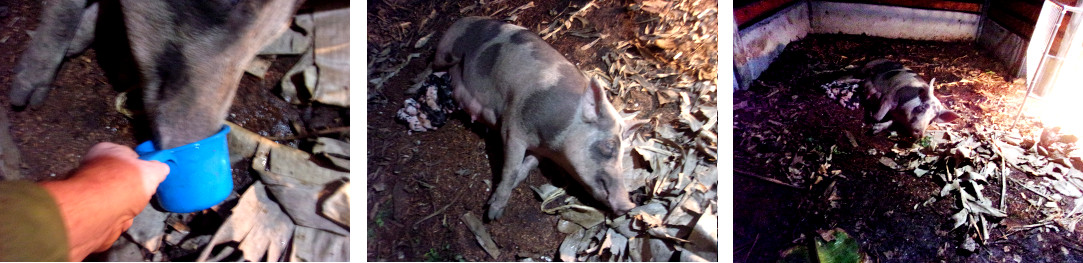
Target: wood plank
[
  {"x": 1027, "y": 10},
  {"x": 959, "y": 6},
  {"x": 1012, "y": 23},
  {"x": 756, "y": 11}
]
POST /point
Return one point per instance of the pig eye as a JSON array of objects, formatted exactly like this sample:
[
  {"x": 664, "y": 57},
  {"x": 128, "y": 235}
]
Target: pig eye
[
  {"x": 919, "y": 109},
  {"x": 607, "y": 148}
]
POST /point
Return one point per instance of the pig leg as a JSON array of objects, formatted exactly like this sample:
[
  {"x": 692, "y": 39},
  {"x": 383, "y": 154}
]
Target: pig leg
[
  {"x": 84, "y": 35},
  {"x": 880, "y": 127},
  {"x": 51, "y": 41},
  {"x": 517, "y": 165},
  {"x": 882, "y": 124},
  {"x": 885, "y": 107}
]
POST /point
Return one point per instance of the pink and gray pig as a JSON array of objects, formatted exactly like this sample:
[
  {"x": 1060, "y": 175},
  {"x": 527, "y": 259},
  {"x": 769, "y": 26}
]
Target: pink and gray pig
[
  {"x": 896, "y": 96},
  {"x": 541, "y": 104}
]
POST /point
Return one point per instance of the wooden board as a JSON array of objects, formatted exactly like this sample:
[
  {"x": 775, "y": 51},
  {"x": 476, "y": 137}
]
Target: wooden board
[{"x": 755, "y": 11}]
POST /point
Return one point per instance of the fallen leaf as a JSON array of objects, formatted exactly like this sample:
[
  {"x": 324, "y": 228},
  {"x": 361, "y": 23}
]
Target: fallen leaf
[
  {"x": 571, "y": 245},
  {"x": 335, "y": 150},
  {"x": 886, "y": 161},
  {"x": 148, "y": 228},
  {"x": 315, "y": 245},
  {"x": 257, "y": 227},
  {"x": 423, "y": 40},
  {"x": 481, "y": 234},
  {"x": 336, "y": 205},
  {"x": 959, "y": 218}
]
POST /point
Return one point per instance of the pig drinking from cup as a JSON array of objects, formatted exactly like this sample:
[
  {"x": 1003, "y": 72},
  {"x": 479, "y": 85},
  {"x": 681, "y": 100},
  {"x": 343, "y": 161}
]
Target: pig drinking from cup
[
  {"x": 541, "y": 104},
  {"x": 191, "y": 55},
  {"x": 895, "y": 95}
]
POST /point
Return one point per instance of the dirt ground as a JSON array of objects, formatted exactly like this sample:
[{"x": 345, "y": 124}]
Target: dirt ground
[
  {"x": 79, "y": 112},
  {"x": 447, "y": 172},
  {"x": 786, "y": 116}
]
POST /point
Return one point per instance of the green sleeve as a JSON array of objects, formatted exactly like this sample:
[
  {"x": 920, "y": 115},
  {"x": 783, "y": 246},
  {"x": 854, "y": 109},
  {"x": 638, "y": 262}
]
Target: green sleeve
[{"x": 31, "y": 227}]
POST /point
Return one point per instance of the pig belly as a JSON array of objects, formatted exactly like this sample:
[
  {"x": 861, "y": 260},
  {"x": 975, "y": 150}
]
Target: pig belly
[{"x": 469, "y": 99}]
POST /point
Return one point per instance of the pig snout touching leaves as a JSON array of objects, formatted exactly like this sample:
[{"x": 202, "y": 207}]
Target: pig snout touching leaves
[
  {"x": 895, "y": 95},
  {"x": 540, "y": 103}
]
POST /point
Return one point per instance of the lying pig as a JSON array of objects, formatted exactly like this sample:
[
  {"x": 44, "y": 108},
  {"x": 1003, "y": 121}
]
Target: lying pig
[
  {"x": 190, "y": 55},
  {"x": 541, "y": 103},
  {"x": 891, "y": 88}
]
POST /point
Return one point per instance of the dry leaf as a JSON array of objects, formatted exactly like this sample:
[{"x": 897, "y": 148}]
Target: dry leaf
[
  {"x": 257, "y": 227},
  {"x": 481, "y": 234}
]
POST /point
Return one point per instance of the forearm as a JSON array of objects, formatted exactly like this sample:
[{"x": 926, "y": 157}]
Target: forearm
[
  {"x": 31, "y": 227},
  {"x": 85, "y": 201},
  {"x": 67, "y": 220}
]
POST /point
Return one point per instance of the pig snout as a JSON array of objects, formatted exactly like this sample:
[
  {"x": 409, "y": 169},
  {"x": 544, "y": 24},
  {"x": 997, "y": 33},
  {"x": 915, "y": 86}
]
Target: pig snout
[
  {"x": 619, "y": 201},
  {"x": 609, "y": 188},
  {"x": 922, "y": 116}
]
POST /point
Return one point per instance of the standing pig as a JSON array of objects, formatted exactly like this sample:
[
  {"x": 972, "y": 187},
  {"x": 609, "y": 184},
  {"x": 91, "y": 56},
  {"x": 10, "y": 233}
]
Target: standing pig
[
  {"x": 191, "y": 55},
  {"x": 891, "y": 88},
  {"x": 542, "y": 105}
]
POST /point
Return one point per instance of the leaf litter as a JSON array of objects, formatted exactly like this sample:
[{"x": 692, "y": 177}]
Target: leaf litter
[
  {"x": 1036, "y": 162},
  {"x": 679, "y": 216}
]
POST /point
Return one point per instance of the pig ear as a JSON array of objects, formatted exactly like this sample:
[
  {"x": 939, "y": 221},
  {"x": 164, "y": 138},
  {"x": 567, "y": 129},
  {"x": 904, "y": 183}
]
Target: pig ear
[
  {"x": 947, "y": 116},
  {"x": 631, "y": 125},
  {"x": 595, "y": 93}
]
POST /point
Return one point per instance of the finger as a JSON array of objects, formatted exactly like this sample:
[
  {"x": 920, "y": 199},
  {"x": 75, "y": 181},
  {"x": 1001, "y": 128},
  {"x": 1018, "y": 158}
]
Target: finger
[
  {"x": 127, "y": 224},
  {"x": 155, "y": 169},
  {"x": 153, "y": 172},
  {"x": 109, "y": 149}
]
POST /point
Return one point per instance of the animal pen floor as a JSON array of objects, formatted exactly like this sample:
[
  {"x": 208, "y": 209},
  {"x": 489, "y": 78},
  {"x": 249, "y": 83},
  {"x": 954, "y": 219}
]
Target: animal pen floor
[{"x": 831, "y": 174}]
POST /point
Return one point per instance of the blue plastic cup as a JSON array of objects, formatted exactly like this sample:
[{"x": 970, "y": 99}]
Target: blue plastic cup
[{"x": 199, "y": 173}]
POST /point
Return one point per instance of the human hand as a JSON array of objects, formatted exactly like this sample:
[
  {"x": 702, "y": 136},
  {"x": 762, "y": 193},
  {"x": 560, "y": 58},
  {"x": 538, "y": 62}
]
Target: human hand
[{"x": 99, "y": 201}]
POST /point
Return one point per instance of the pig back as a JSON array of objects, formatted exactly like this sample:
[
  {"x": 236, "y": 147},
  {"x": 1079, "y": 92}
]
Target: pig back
[
  {"x": 504, "y": 66},
  {"x": 883, "y": 77}
]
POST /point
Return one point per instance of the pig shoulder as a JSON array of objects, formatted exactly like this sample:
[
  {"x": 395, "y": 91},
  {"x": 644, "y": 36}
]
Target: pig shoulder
[
  {"x": 551, "y": 110},
  {"x": 578, "y": 124},
  {"x": 543, "y": 89}
]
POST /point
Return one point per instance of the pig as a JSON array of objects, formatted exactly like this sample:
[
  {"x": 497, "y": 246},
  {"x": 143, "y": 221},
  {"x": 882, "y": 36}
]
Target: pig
[
  {"x": 542, "y": 105},
  {"x": 190, "y": 55},
  {"x": 894, "y": 94}
]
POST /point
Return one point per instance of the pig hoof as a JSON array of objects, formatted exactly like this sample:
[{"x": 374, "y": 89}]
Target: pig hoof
[
  {"x": 494, "y": 213},
  {"x": 496, "y": 207},
  {"x": 21, "y": 95},
  {"x": 37, "y": 97},
  {"x": 879, "y": 127}
]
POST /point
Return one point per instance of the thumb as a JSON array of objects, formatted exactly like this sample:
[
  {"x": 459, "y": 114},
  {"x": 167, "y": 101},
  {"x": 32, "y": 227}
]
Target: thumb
[{"x": 153, "y": 172}]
